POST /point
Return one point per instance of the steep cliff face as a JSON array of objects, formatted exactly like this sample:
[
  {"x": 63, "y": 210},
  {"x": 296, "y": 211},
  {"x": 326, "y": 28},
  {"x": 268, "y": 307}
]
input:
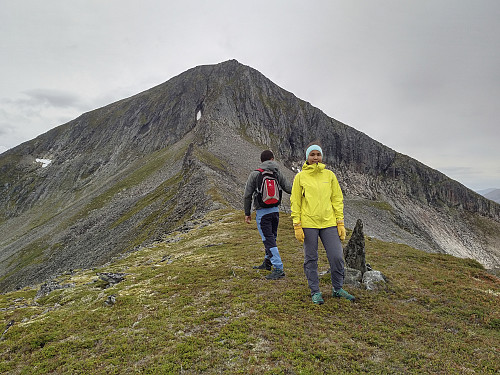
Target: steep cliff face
[{"x": 127, "y": 173}]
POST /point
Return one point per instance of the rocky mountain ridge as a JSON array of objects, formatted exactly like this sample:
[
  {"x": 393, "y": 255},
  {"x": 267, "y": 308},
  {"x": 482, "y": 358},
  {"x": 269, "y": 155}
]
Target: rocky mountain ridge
[{"x": 128, "y": 173}]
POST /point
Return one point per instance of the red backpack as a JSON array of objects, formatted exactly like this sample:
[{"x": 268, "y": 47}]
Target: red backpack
[{"x": 268, "y": 189}]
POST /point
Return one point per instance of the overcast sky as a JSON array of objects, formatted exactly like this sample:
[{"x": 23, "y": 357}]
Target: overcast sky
[{"x": 422, "y": 77}]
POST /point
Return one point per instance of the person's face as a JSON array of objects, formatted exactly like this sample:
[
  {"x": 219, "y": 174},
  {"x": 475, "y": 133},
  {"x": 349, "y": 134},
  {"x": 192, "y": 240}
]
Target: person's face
[{"x": 315, "y": 157}]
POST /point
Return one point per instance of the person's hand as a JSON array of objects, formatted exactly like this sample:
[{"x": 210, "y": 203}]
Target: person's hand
[
  {"x": 248, "y": 219},
  {"x": 299, "y": 232},
  {"x": 341, "y": 229}
]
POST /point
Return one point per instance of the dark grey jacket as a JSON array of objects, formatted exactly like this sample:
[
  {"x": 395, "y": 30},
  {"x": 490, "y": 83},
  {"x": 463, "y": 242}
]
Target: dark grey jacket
[{"x": 251, "y": 187}]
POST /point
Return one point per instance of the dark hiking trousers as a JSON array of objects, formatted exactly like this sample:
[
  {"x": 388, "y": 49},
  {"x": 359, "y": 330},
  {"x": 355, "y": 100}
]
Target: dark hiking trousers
[
  {"x": 334, "y": 252},
  {"x": 267, "y": 224}
]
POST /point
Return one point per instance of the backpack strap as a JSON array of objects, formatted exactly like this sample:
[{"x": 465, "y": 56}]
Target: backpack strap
[{"x": 259, "y": 179}]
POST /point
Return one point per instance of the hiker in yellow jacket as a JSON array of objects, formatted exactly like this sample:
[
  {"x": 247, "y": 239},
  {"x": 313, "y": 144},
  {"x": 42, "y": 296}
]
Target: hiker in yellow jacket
[{"x": 318, "y": 211}]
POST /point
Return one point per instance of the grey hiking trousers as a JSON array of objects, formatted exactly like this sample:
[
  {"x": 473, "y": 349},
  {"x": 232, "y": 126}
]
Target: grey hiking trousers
[{"x": 334, "y": 252}]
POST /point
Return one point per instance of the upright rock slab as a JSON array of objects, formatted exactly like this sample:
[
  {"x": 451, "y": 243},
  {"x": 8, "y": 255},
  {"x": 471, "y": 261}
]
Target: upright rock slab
[{"x": 354, "y": 252}]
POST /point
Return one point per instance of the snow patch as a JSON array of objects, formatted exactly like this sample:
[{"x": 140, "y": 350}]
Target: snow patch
[
  {"x": 198, "y": 115},
  {"x": 45, "y": 162}
]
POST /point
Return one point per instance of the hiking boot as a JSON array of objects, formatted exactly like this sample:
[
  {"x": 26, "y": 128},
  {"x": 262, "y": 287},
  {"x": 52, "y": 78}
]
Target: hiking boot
[
  {"x": 317, "y": 299},
  {"x": 275, "y": 275},
  {"x": 341, "y": 293},
  {"x": 266, "y": 265}
]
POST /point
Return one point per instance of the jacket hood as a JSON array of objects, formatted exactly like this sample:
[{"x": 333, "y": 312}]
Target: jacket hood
[
  {"x": 313, "y": 167},
  {"x": 270, "y": 165}
]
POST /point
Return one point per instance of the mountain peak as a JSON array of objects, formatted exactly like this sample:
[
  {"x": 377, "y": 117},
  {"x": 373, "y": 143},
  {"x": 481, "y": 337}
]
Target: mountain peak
[{"x": 124, "y": 175}]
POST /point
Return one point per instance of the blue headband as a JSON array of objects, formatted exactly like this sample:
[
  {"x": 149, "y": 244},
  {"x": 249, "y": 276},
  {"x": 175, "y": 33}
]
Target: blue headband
[{"x": 312, "y": 148}]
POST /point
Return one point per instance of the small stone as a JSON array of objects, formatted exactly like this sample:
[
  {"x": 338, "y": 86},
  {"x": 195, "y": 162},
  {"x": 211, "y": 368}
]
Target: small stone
[
  {"x": 111, "y": 300},
  {"x": 111, "y": 278},
  {"x": 352, "y": 277},
  {"x": 374, "y": 280}
]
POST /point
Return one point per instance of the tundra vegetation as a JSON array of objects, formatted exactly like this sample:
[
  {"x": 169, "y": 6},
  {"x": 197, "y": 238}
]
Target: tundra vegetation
[{"x": 191, "y": 303}]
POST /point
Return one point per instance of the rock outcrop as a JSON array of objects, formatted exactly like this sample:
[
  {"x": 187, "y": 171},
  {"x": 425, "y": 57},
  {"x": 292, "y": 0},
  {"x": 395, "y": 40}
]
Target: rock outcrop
[
  {"x": 49, "y": 287},
  {"x": 358, "y": 273},
  {"x": 354, "y": 252}
]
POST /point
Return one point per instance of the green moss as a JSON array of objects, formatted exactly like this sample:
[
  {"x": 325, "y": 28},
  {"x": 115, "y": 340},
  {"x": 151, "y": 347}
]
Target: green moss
[
  {"x": 29, "y": 255},
  {"x": 210, "y": 159},
  {"x": 488, "y": 226},
  {"x": 216, "y": 196},
  {"x": 144, "y": 169},
  {"x": 207, "y": 311},
  {"x": 148, "y": 226},
  {"x": 11, "y": 160},
  {"x": 381, "y": 205},
  {"x": 45, "y": 213},
  {"x": 163, "y": 193}
]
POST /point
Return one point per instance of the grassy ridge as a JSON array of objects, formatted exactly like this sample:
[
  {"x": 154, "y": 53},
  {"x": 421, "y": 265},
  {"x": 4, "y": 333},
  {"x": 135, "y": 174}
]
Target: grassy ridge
[{"x": 192, "y": 304}]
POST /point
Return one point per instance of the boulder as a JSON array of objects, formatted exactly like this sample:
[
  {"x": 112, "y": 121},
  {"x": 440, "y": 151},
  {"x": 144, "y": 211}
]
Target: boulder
[
  {"x": 352, "y": 277},
  {"x": 354, "y": 252},
  {"x": 374, "y": 280},
  {"x": 49, "y": 287},
  {"x": 111, "y": 278}
]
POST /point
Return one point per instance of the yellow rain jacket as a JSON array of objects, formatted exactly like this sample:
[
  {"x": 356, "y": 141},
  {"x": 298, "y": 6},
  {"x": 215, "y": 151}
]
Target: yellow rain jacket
[{"x": 317, "y": 200}]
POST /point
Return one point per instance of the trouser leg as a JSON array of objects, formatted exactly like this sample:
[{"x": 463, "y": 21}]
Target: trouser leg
[
  {"x": 335, "y": 254},
  {"x": 311, "y": 258},
  {"x": 258, "y": 219},
  {"x": 268, "y": 229}
]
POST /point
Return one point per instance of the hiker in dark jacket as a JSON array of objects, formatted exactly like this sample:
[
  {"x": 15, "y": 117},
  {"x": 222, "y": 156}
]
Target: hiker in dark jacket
[{"x": 267, "y": 217}]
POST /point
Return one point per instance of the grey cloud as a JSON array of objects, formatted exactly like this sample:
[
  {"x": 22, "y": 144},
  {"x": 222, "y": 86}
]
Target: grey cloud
[
  {"x": 421, "y": 77},
  {"x": 475, "y": 178},
  {"x": 4, "y": 128},
  {"x": 54, "y": 98}
]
